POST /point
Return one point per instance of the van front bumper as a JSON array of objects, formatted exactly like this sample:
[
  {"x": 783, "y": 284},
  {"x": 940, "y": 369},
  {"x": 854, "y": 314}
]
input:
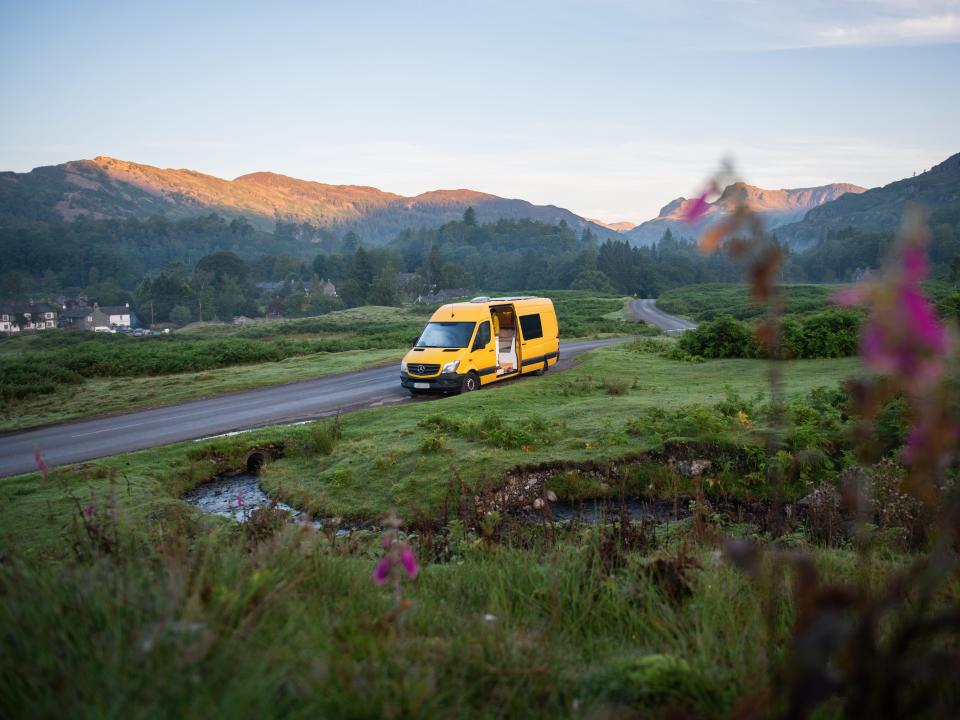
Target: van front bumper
[{"x": 444, "y": 382}]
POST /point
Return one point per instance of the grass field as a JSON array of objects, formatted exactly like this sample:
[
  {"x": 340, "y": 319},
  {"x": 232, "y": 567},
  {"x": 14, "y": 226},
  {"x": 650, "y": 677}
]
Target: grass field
[
  {"x": 55, "y": 377},
  {"x": 386, "y": 459},
  {"x": 151, "y": 608},
  {"x": 102, "y": 396},
  {"x": 711, "y": 300}
]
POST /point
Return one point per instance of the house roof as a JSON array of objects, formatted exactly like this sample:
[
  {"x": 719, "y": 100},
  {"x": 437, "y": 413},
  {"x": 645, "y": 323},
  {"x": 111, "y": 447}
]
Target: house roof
[
  {"x": 15, "y": 308},
  {"x": 76, "y": 312},
  {"x": 115, "y": 309}
]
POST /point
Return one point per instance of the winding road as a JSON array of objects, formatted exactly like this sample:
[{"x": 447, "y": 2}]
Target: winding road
[
  {"x": 329, "y": 395},
  {"x": 646, "y": 309}
]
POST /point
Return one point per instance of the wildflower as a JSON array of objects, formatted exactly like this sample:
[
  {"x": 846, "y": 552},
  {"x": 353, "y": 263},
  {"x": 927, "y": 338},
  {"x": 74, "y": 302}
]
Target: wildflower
[
  {"x": 239, "y": 500},
  {"x": 409, "y": 562},
  {"x": 398, "y": 557},
  {"x": 41, "y": 465},
  {"x": 743, "y": 419},
  {"x": 902, "y": 336},
  {"x": 382, "y": 571},
  {"x": 89, "y": 510},
  {"x": 698, "y": 207}
]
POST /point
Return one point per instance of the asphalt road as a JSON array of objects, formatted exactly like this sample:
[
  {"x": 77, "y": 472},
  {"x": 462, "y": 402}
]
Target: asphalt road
[
  {"x": 647, "y": 310},
  {"x": 99, "y": 437}
]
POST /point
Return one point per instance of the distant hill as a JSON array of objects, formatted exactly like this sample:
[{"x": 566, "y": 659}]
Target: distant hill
[
  {"x": 108, "y": 188},
  {"x": 879, "y": 209},
  {"x": 778, "y": 207},
  {"x": 621, "y": 227}
]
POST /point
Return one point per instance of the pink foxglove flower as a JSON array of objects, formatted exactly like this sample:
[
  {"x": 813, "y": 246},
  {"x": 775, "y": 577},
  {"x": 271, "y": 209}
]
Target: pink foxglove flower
[
  {"x": 89, "y": 510},
  {"x": 382, "y": 571},
  {"x": 41, "y": 465},
  {"x": 902, "y": 335},
  {"x": 409, "y": 561},
  {"x": 696, "y": 209}
]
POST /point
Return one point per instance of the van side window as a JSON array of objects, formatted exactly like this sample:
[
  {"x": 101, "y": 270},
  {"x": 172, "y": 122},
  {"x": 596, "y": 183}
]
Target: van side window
[
  {"x": 483, "y": 336},
  {"x": 531, "y": 326}
]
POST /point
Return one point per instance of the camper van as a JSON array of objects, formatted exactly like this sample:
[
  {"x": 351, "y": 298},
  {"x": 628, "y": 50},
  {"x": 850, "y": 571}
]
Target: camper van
[{"x": 469, "y": 344}]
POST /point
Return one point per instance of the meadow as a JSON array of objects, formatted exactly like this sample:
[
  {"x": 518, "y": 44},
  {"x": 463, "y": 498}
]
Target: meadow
[
  {"x": 151, "y": 607},
  {"x": 66, "y": 375}
]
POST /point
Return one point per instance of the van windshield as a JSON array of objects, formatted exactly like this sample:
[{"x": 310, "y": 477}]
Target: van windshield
[{"x": 446, "y": 335}]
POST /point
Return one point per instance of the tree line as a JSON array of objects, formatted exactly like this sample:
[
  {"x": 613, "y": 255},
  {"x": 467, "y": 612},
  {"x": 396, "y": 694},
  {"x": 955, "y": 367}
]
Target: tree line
[{"x": 207, "y": 267}]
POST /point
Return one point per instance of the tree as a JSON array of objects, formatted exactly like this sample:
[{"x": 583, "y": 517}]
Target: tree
[
  {"x": 384, "y": 290},
  {"x": 180, "y": 315},
  {"x": 361, "y": 271},
  {"x": 469, "y": 217},
  {"x": 592, "y": 280},
  {"x": 222, "y": 265}
]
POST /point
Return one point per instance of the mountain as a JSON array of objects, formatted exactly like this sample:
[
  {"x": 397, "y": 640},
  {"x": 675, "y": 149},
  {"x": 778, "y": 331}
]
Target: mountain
[
  {"x": 621, "y": 227},
  {"x": 778, "y": 207},
  {"x": 108, "y": 188},
  {"x": 882, "y": 208}
]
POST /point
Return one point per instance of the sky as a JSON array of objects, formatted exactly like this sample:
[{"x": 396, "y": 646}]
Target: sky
[{"x": 610, "y": 108}]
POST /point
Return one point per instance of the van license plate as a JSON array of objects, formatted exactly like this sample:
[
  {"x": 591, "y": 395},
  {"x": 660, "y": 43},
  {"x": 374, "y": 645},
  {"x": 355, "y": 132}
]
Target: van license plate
[{"x": 421, "y": 386}]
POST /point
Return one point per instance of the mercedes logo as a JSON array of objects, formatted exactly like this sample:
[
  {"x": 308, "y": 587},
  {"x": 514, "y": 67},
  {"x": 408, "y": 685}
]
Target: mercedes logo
[{"x": 420, "y": 369}]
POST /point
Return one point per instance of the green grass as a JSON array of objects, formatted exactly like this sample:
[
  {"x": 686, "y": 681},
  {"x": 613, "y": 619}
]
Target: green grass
[
  {"x": 66, "y": 375},
  {"x": 294, "y": 629},
  {"x": 102, "y": 396},
  {"x": 128, "y": 602},
  {"x": 379, "y": 462},
  {"x": 711, "y": 300}
]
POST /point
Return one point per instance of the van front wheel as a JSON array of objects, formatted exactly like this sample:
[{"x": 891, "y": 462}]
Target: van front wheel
[{"x": 470, "y": 382}]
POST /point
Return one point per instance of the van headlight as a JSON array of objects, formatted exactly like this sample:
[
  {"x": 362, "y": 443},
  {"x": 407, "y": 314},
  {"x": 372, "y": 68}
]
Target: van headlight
[
  {"x": 451, "y": 366},
  {"x": 403, "y": 366}
]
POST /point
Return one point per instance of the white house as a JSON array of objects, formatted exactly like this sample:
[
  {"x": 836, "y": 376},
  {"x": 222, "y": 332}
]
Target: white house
[
  {"x": 17, "y": 317},
  {"x": 118, "y": 316}
]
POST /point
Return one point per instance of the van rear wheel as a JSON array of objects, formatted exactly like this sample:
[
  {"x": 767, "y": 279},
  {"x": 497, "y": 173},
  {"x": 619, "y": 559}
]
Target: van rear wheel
[{"x": 470, "y": 382}]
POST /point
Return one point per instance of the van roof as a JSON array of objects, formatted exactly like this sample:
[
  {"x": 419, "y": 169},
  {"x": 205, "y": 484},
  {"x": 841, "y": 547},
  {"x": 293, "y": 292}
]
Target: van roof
[
  {"x": 478, "y": 306},
  {"x": 485, "y": 299}
]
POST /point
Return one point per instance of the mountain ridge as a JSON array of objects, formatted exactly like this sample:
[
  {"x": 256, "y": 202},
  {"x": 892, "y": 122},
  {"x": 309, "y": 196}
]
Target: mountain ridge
[
  {"x": 881, "y": 208},
  {"x": 107, "y": 187},
  {"x": 778, "y": 207}
]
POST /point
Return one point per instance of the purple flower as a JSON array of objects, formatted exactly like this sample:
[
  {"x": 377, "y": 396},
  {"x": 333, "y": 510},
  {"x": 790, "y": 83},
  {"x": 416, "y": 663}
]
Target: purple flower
[
  {"x": 696, "y": 208},
  {"x": 902, "y": 336},
  {"x": 89, "y": 510},
  {"x": 239, "y": 500},
  {"x": 409, "y": 561},
  {"x": 41, "y": 465},
  {"x": 382, "y": 571}
]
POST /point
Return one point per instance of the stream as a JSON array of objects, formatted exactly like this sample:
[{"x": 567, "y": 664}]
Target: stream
[{"x": 237, "y": 496}]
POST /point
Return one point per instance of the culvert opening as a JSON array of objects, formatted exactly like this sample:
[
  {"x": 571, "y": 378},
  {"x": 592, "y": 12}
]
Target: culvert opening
[{"x": 256, "y": 459}]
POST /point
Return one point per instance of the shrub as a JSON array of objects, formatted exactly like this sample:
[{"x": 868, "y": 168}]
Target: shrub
[
  {"x": 720, "y": 338},
  {"x": 320, "y": 437},
  {"x": 615, "y": 386},
  {"x": 433, "y": 443}
]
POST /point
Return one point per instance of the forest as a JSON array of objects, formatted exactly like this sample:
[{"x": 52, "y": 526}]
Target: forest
[{"x": 208, "y": 268}]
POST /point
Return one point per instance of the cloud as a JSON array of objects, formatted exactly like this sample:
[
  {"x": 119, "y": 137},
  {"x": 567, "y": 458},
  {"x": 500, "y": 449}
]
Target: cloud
[{"x": 901, "y": 31}]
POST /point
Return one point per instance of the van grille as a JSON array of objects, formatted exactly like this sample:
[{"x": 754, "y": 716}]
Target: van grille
[{"x": 422, "y": 369}]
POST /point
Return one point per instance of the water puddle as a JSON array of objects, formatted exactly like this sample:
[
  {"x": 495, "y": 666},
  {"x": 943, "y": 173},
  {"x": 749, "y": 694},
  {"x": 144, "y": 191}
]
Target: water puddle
[{"x": 238, "y": 496}]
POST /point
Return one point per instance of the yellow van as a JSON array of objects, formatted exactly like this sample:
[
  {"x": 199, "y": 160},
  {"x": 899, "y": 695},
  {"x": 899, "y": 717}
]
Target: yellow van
[{"x": 469, "y": 344}]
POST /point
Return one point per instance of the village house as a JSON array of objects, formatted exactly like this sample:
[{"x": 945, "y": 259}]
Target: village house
[
  {"x": 98, "y": 319},
  {"x": 29, "y": 316}
]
